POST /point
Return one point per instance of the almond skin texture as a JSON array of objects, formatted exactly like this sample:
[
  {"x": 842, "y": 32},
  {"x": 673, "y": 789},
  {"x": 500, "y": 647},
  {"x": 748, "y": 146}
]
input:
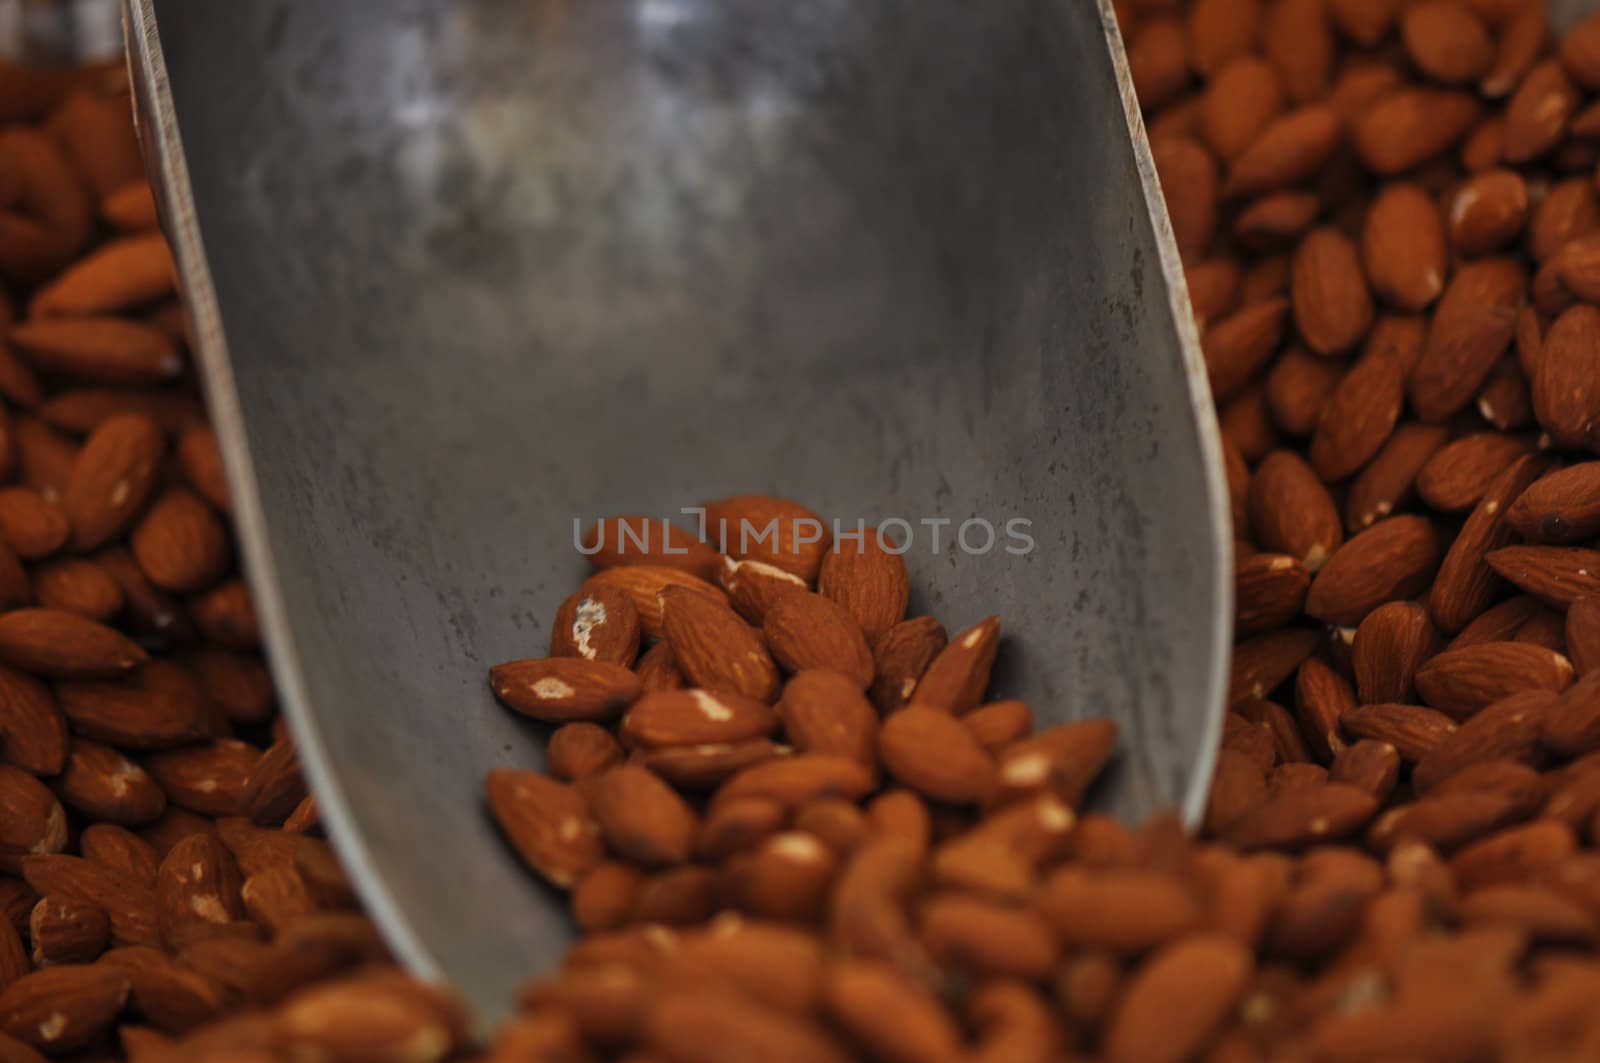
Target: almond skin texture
[
  {"x": 1561, "y": 507},
  {"x": 1287, "y": 150},
  {"x": 824, "y": 712},
  {"x": 1391, "y": 643},
  {"x": 1474, "y": 322},
  {"x": 598, "y": 624},
  {"x": 1291, "y": 511},
  {"x": 180, "y": 543},
  {"x": 901, "y": 657},
  {"x": 1393, "y": 559},
  {"x": 645, "y": 584},
  {"x": 1462, "y": 681},
  {"x": 930, "y": 751},
  {"x": 1403, "y": 247},
  {"x": 641, "y": 818},
  {"x": 1410, "y": 126},
  {"x": 1447, "y": 41},
  {"x": 1358, "y": 417},
  {"x": 807, "y": 630},
  {"x": 714, "y": 648},
  {"x": 868, "y": 578},
  {"x": 64, "y": 1008},
  {"x": 559, "y": 689},
  {"x": 1558, "y": 575},
  {"x": 695, "y": 717},
  {"x": 956, "y": 679},
  {"x": 1466, "y": 585},
  {"x": 547, "y": 822},
  {"x": 111, "y": 478},
  {"x": 1332, "y": 306},
  {"x": 1458, "y": 474},
  {"x": 56, "y": 644},
  {"x": 1566, "y": 389}
]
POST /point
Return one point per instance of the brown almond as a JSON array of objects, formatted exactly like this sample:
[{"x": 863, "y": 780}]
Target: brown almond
[
  {"x": 1538, "y": 113},
  {"x": 1507, "y": 729},
  {"x": 1240, "y": 344},
  {"x": 100, "y": 783},
  {"x": 769, "y": 529},
  {"x": 1517, "y": 854},
  {"x": 1560, "y": 507},
  {"x": 1583, "y": 635},
  {"x": 58, "y": 644},
  {"x": 714, "y": 648},
  {"x": 32, "y": 730},
  {"x": 1358, "y": 418},
  {"x": 1395, "y": 558},
  {"x": 1412, "y": 730},
  {"x": 1332, "y": 306},
  {"x": 102, "y": 350},
  {"x": 641, "y": 818},
  {"x": 1177, "y": 1000},
  {"x": 33, "y": 525},
  {"x": 67, "y": 930},
  {"x": 1558, "y": 575},
  {"x": 695, "y": 717},
  {"x": 901, "y": 657},
  {"x": 1403, "y": 246},
  {"x": 180, "y": 543},
  {"x": 1263, "y": 663},
  {"x": 1410, "y": 126},
  {"x": 1188, "y": 177},
  {"x": 795, "y": 780},
  {"x": 1122, "y": 911},
  {"x": 131, "y": 904},
  {"x": 61, "y": 1009},
  {"x": 1288, "y": 150},
  {"x": 1305, "y": 816},
  {"x": 31, "y": 819},
  {"x": 1447, "y": 41},
  {"x": 1298, "y": 385},
  {"x": 1466, "y": 585},
  {"x": 547, "y": 822},
  {"x": 1474, "y": 323},
  {"x": 597, "y": 624},
  {"x": 210, "y": 778},
  {"x": 1269, "y": 590},
  {"x": 1389, "y": 646},
  {"x": 1291, "y": 511},
  {"x": 929, "y": 751},
  {"x": 111, "y": 478},
  {"x": 1322, "y": 696},
  {"x": 1241, "y": 98},
  {"x": 1462, "y": 681},
  {"x": 809, "y": 631},
  {"x": 1488, "y": 211},
  {"x": 581, "y": 749},
  {"x": 1521, "y": 42},
  {"x": 867, "y": 576},
  {"x": 1458, "y": 474},
  {"x": 79, "y": 586},
  {"x": 1386, "y": 483},
  {"x": 824, "y": 712},
  {"x": 1566, "y": 391},
  {"x": 559, "y": 689},
  {"x": 956, "y": 678},
  {"x": 645, "y": 585},
  {"x": 117, "y": 276}
]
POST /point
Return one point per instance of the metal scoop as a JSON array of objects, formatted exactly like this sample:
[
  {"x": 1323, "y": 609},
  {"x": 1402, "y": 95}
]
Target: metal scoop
[{"x": 461, "y": 274}]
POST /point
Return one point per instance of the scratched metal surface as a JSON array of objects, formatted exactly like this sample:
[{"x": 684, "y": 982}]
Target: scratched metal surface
[{"x": 465, "y": 272}]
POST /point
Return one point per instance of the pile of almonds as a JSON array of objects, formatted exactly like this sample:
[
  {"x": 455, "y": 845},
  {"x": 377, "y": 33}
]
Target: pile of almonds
[
  {"x": 787, "y": 822},
  {"x": 159, "y": 859}
]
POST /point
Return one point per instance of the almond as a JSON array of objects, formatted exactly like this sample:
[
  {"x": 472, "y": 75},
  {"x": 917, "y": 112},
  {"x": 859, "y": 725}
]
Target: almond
[
  {"x": 1403, "y": 246},
  {"x": 1297, "y": 40},
  {"x": 1358, "y": 418},
  {"x": 1521, "y": 41},
  {"x": 1554, "y": 574},
  {"x": 957, "y": 677},
  {"x": 806, "y": 631},
  {"x": 753, "y": 586},
  {"x": 1304, "y": 816},
  {"x": 1466, "y": 584},
  {"x": 1447, "y": 41},
  {"x": 641, "y": 818},
  {"x": 156, "y": 707},
  {"x": 105, "y": 350},
  {"x": 31, "y": 819},
  {"x": 1390, "y": 645},
  {"x": 61, "y": 1009},
  {"x": 1291, "y": 511},
  {"x": 1241, "y": 98},
  {"x": 1560, "y": 507},
  {"x": 1507, "y": 729},
  {"x": 66, "y": 930},
  {"x": 559, "y": 689},
  {"x": 33, "y": 732},
  {"x": 1566, "y": 393},
  {"x": 598, "y": 624},
  {"x": 901, "y": 657},
  {"x": 1322, "y": 697},
  {"x": 1410, "y": 126},
  {"x": 33, "y": 525},
  {"x": 824, "y": 712},
  {"x": 1464, "y": 680},
  {"x": 111, "y": 478},
  {"x": 890, "y": 1014},
  {"x": 547, "y": 822},
  {"x": 579, "y": 750},
  {"x": 644, "y": 584},
  {"x": 1369, "y": 765},
  {"x": 74, "y": 585},
  {"x": 1269, "y": 590},
  {"x": 695, "y": 717},
  {"x": 1263, "y": 663},
  {"x": 211, "y": 778},
  {"x": 658, "y": 670},
  {"x": 130, "y": 904},
  {"x": 1583, "y": 635},
  {"x": 793, "y": 781},
  {"x": 1188, "y": 177},
  {"x": 1238, "y": 345},
  {"x": 1471, "y": 328},
  {"x": 1387, "y": 481},
  {"x": 1288, "y": 150},
  {"x": 1176, "y": 1001},
  {"x": 101, "y": 783},
  {"x": 714, "y": 648},
  {"x": 1458, "y": 474},
  {"x": 1538, "y": 113},
  {"x": 1332, "y": 306},
  {"x": 1516, "y": 854},
  {"x": 1124, "y": 911},
  {"x": 1393, "y": 559},
  {"x": 868, "y": 578},
  {"x": 1412, "y": 730},
  {"x": 197, "y": 891},
  {"x": 704, "y": 767},
  {"x": 1297, "y": 388},
  {"x": 929, "y": 751},
  {"x": 119, "y": 275},
  {"x": 381, "y": 1014},
  {"x": 1488, "y": 211},
  {"x": 180, "y": 543},
  {"x": 1064, "y": 760}
]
